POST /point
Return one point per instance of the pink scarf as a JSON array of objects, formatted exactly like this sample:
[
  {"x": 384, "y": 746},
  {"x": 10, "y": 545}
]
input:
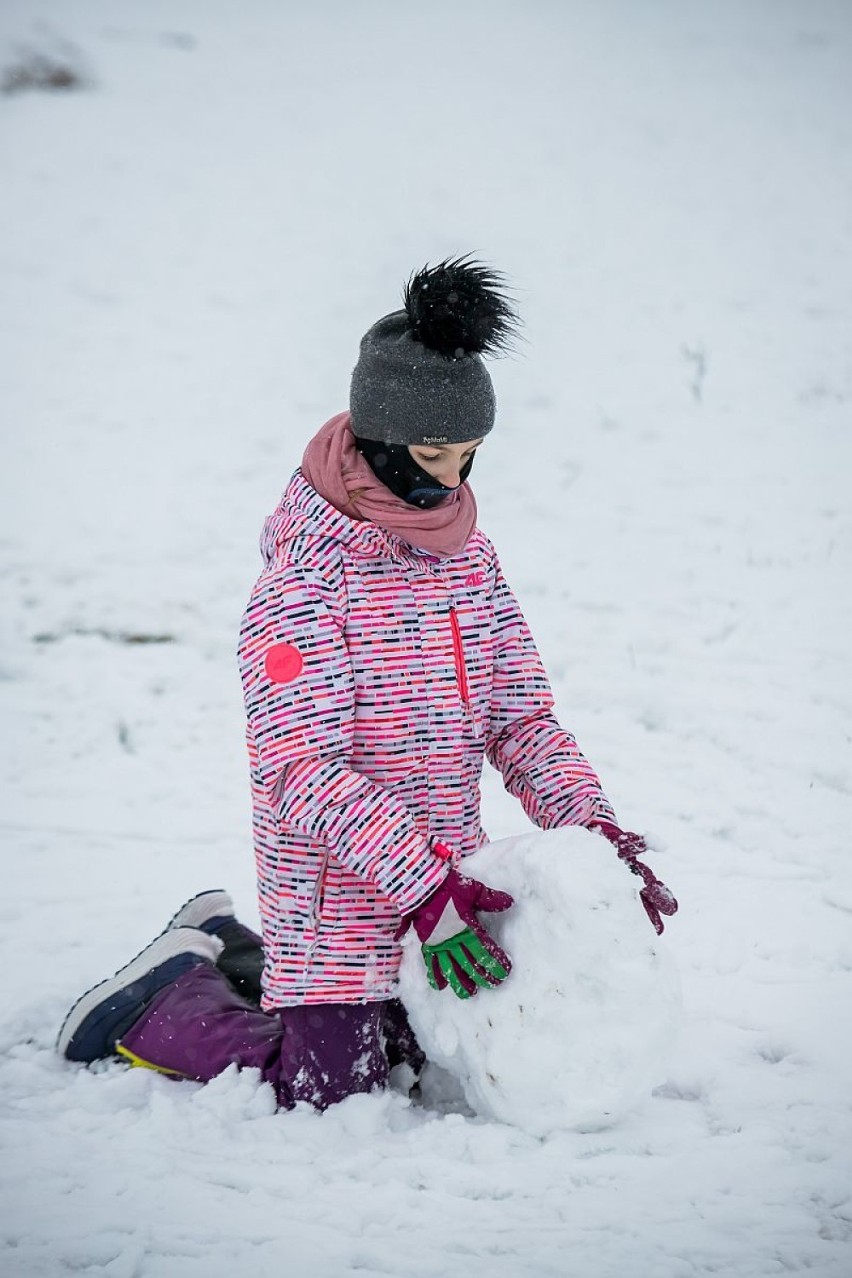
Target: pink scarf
[{"x": 334, "y": 467}]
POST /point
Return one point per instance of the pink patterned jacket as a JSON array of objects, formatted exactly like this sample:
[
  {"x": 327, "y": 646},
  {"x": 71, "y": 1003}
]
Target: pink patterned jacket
[{"x": 375, "y": 680}]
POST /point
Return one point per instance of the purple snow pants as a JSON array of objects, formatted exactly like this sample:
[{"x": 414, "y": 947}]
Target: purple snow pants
[{"x": 321, "y": 1053}]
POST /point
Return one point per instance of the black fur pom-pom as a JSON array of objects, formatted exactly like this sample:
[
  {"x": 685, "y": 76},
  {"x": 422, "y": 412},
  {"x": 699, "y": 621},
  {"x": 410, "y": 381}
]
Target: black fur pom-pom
[{"x": 459, "y": 307}]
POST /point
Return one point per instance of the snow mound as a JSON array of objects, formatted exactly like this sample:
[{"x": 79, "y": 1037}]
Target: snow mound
[{"x": 583, "y": 1026}]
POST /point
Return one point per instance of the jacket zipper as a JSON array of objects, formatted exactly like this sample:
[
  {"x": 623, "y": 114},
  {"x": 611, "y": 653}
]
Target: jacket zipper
[
  {"x": 458, "y": 657},
  {"x": 315, "y": 911}
]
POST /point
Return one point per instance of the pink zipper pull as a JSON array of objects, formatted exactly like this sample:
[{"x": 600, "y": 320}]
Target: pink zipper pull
[{"x": 458, "y": 657}]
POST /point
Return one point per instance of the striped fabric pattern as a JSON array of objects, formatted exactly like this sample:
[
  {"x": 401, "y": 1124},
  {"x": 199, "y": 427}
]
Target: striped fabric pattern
[{"x": 376, "y": 679}]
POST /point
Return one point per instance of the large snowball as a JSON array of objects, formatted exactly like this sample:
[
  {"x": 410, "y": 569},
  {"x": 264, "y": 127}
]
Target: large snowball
[{"x": 581, "y": 1029}]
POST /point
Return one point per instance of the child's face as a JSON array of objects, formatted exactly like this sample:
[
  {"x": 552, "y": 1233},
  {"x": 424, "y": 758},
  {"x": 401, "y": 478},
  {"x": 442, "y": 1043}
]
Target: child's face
[{"x": 444, "y": 461}]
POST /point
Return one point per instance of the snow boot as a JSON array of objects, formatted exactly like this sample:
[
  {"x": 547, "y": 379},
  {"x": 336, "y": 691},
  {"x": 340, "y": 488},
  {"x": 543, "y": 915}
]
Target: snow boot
[
  {"x": 241, "y": 959},
  {"x": 104, "y": 1013}
]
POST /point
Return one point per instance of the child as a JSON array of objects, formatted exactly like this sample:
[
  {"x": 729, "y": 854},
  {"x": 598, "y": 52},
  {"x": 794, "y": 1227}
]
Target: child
[{"x": 383, "y": 656}]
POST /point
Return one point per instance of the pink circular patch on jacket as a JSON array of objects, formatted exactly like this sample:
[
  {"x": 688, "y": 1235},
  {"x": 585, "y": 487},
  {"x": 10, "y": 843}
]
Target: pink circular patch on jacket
[{"x": 283, "y": 663}]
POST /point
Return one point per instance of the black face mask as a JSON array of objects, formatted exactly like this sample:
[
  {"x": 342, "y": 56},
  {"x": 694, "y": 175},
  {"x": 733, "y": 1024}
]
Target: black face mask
[{"x": 398, "y": 471}]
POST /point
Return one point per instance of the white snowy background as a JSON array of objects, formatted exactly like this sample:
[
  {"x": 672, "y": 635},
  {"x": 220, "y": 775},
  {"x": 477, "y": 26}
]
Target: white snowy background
[{"x": 192, "y": 244}]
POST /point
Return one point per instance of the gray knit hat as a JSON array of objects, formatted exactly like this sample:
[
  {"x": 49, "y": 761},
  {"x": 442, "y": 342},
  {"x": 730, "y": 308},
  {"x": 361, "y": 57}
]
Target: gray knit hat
[{"x": 420, "y": 378}]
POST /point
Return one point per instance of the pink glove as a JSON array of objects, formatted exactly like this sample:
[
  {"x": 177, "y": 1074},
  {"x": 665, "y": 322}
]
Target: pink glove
[
  {"x": 456, "y": 948},
  {"x": 655, "y": 896}
]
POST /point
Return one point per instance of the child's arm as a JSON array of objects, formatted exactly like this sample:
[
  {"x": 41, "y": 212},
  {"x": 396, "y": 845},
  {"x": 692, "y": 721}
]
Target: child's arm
[
  {"x": 541, "y": 763},
  {"x": 300, "y": 701}
]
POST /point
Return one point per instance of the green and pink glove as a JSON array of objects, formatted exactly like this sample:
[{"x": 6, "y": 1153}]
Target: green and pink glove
[{"x": 456, "y": 948}]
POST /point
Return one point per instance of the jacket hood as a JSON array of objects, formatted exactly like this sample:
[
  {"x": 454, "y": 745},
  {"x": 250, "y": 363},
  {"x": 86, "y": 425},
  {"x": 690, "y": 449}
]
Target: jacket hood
[{"x": 302, "y": 512}]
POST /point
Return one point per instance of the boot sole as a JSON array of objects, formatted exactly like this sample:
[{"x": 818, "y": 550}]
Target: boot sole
[
  {"x": 200, "y": 909},
  {"x": 171, "y": 944}
]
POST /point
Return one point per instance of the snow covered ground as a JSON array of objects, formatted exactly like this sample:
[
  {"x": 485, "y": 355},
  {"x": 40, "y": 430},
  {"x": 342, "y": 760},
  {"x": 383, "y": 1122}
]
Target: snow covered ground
[{"x": 191, "y": 246}]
